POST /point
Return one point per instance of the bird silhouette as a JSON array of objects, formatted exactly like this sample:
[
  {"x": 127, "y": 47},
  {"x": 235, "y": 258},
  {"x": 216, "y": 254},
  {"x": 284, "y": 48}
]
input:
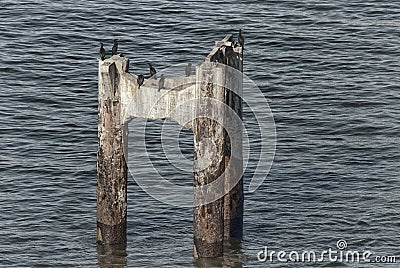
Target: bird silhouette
[
  {"x": 102, "y": 52},
  {"x": 161, "y": 82},
  {"x": 241, "y": 38},
  {"x": 219, "y": 56},
  {"x": 152, "y": 70},
  {"x": 188, "y": 69},
  {"x": 115, "y": 47},
  {"x": 140, "y": 80}
]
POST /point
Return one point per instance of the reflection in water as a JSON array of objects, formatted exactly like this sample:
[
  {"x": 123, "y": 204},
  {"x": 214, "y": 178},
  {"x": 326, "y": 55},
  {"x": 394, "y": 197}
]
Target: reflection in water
[
  {"x": 111, "y": 256},
  {"x": 233, "y": 257}
]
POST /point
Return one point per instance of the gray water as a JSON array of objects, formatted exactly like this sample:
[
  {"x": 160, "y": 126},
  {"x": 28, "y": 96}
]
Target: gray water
[{"x": 330, "y": 72}]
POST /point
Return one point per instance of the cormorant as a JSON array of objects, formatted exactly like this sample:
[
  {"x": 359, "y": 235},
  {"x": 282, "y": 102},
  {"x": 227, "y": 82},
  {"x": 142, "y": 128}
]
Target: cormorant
[
  {"x": 218, "y": 56},
  {"x": 161, "y": 82},
  {"x": 115, "y": 47},
  {"x": 140, "y": 80},
  {"x": 241, "y": 38},
  {"x": 152, "y": 70},
  {"x": 102, "y": 52},
  {"x": 188, "y": 69},
  {"x": 228, "y": 52}
]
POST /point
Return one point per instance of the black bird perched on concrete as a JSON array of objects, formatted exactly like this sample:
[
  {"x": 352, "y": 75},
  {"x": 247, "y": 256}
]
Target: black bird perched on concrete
[
  {"x": 161, "y": 82},
  {"x": 140, "y": 80},
  {"x": 115, "y": 47},
  {"x": 188, "y": 69},
  {"x": 241, "y": 38},
  {"x": 102, "y": 52},
  {"x": 152, "y": 70},
  {"x": 218, "y": 56}
]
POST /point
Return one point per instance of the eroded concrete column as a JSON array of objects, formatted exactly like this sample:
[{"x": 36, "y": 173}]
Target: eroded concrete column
[
  {"x": 209, "y": 163},
  {"x": 111, "y": 165},
  {"x": 234, "y": 199}
]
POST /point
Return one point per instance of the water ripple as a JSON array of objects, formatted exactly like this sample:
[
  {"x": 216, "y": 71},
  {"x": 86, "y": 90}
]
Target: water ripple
[{"x": 329, "y": 70}]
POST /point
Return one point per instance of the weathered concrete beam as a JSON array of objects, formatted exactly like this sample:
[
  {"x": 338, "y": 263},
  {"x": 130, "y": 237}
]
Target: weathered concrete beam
[{"x": 151, "y": 103}]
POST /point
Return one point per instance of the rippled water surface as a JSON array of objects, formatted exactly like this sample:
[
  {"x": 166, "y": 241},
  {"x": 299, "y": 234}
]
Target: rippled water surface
[{"x": 329, "y": 69}]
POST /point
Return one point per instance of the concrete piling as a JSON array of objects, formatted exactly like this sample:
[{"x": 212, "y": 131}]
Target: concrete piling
[
  {"x": 215, "y": 81},
  {"x": 111, "y": 165}
]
